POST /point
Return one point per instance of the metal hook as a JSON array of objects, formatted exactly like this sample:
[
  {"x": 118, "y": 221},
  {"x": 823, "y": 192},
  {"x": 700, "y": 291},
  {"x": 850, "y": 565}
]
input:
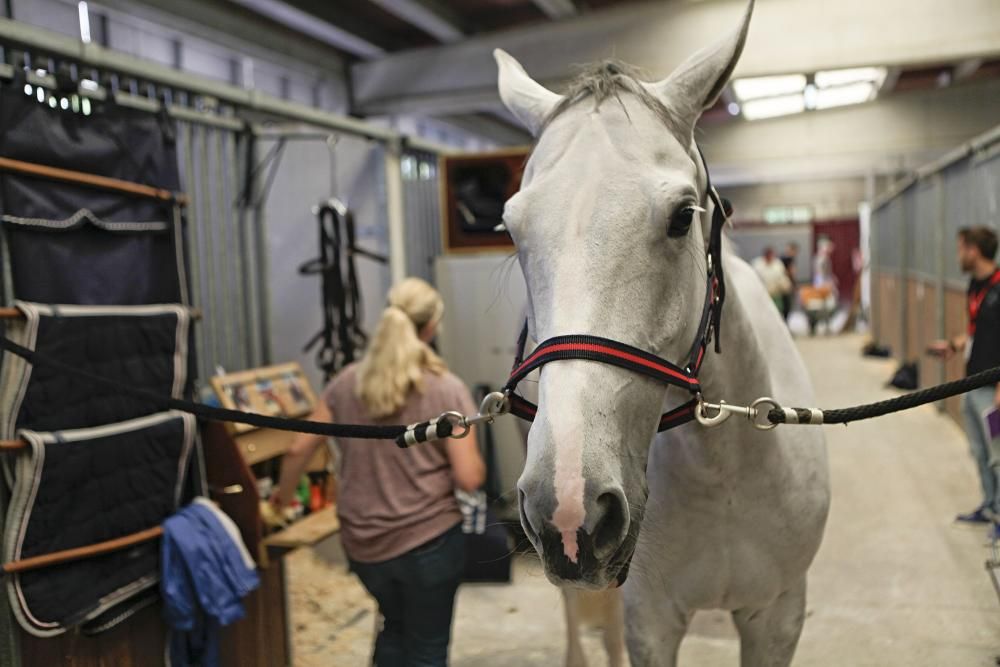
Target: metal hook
[
  {"x": 724, "y": 411},
  {"x": 494, "y": 405}
]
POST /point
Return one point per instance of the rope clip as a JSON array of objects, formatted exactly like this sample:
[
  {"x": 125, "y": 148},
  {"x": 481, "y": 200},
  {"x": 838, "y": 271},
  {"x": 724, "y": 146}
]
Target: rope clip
[
  {"x": 723, "y": 411},
  {"x": 495, "y": 404}
]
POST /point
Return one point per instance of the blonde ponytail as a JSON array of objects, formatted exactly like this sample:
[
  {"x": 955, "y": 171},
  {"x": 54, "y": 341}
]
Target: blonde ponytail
[{"x": 396, "y": 358}]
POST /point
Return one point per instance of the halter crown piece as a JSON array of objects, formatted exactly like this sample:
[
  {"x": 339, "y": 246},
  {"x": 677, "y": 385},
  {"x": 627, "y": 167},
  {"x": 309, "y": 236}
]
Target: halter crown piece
[{"x": 608, "y": 351}]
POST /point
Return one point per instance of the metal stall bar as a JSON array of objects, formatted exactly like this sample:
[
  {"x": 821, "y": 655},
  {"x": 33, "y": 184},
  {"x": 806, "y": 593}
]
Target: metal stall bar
[
  {"x": 939, "y": 314},
  {"x": 395, "y": 210},
  {"x": 903, "y": 226}
]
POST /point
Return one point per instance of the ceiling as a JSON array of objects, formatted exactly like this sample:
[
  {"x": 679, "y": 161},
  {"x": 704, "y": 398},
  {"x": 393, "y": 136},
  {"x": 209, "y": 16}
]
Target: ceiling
[
  {"x": 432, "y": 58},
  {"x": 384, "y": 23}
]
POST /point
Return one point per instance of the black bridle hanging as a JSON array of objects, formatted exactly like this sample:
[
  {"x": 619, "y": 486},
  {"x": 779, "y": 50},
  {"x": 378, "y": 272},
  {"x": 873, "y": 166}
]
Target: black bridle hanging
[{"x": 340, "y": 296}]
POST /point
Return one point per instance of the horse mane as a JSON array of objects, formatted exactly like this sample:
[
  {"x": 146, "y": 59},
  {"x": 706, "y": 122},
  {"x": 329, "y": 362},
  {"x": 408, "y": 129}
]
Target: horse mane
[{"x": 607, "y": 79}]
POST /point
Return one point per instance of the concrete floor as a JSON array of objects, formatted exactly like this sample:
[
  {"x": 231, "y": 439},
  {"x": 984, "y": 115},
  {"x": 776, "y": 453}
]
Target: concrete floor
[{"x": 895, "y": 583}]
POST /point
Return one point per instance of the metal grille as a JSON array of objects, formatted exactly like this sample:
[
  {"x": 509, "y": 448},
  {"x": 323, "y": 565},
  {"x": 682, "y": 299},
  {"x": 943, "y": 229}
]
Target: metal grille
[
  {"x": 421, "y": 196},
  {"x": 223, "y": 249}
]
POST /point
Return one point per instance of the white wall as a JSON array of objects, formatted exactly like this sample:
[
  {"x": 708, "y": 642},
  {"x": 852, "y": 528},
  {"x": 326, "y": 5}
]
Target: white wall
[
  {"x": 310, "y": 173},
  {"x": 829, "y": 199}
]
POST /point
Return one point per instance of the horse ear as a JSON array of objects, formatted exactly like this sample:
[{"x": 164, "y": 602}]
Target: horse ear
[
  {"x": 527, "y": 99},
  {"x": 697, "y": 83}
]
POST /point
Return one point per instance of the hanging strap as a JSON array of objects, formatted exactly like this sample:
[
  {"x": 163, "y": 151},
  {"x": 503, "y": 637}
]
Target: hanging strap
[{"x": 340, "y": 295}]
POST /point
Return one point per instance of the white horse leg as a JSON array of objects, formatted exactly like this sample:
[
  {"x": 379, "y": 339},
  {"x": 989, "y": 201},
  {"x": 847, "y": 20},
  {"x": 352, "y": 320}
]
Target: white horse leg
[
  {"x": 768, "y": 637},
  {"x": 614, "y": 630},
  {"x": 654, "y": 631},
  {"x": 574, "y": 650}
]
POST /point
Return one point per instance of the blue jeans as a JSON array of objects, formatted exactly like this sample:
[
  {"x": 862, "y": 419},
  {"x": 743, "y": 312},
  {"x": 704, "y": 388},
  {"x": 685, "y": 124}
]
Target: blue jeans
[
  {"x": 985, "y": 453},
  {"x": 416, "y": 597}
]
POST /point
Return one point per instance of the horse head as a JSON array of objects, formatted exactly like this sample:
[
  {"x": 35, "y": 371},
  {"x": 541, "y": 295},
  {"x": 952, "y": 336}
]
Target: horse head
[{"x": 611, "y": 225}]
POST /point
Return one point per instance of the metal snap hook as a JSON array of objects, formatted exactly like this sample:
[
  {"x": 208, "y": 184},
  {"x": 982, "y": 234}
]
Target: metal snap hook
[
  {"x": 457, "y": 419},
  {"x": 723, "y": 412},
  {"x": 764, "y": 400}
]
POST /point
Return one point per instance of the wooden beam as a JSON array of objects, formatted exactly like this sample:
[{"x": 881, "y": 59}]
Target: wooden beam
[
  {"x": 90, "y": 180},
  {"x": 79, "y": 553},
  {"x": 14, "y": 313}
]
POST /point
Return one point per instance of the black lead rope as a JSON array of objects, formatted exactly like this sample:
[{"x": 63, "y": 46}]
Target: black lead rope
[
  {"x": 907, "y": 401},
  {"x": 434, "y": 429}
]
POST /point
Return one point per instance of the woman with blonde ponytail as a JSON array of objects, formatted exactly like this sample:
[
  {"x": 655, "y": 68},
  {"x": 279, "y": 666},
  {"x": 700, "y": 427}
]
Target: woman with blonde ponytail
[{"x": 400, "y": 522}]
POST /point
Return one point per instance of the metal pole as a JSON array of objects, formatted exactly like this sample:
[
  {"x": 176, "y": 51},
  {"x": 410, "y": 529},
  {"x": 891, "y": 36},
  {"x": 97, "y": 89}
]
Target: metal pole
[
  {"x": 263, "y": 299},
  {"x": 874, "y": 272},
  {"x": 212, "y": 319},
  {"x": 395, "y": 210},
  {"x": 195, "y": 247},
  {"x": 904, "y": 278},
  {"x": 939, "y": 283}
]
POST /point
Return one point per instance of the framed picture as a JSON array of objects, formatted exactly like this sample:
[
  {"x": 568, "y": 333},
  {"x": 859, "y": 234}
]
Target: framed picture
[
  {"x": 474, "y": 188},
  {"x": 277, "y": 391}
]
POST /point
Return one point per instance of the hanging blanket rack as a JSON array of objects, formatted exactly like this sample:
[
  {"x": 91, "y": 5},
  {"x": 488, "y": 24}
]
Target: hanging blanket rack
[{"x": 90, "y": 180}]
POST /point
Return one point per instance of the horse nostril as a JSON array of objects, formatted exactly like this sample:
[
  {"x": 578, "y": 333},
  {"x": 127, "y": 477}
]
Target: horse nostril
[{"x": 611, "y": 526}]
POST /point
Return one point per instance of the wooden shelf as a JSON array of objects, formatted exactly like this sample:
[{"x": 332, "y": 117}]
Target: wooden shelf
[
  {"x": 264, "y": 444},
  {"x": 305, "y": 532}
]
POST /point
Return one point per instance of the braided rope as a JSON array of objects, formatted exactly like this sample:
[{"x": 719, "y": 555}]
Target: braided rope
[{"x": 905, "y": 402}]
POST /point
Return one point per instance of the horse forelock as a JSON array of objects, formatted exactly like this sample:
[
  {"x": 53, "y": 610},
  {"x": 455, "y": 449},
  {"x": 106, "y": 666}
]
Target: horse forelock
[{"x": 608, "y": 79}]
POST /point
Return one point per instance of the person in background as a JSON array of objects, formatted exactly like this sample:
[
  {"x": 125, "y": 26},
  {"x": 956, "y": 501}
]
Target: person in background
[
  {"x": 399, "y": 518},
  {"x": 788, "y": 260},
  {"x": 823, "y": 276},
  {"x": 772, "y": 273},
  {"x": 977, "y": 249}
]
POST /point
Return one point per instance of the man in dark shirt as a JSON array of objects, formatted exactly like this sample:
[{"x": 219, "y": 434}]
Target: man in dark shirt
[{"x": 977, "y": 248}]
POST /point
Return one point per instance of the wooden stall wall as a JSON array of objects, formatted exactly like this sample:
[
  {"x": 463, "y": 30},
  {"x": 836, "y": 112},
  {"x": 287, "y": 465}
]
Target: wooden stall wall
[
  {"x": 922, "y": 328},
  {"x": 889, "y": 294},
  {"x": 955, "y": 318}
]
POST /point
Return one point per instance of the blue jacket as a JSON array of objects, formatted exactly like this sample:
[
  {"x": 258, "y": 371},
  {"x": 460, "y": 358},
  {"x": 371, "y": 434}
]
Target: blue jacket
[{"x": 206, "y": 571}]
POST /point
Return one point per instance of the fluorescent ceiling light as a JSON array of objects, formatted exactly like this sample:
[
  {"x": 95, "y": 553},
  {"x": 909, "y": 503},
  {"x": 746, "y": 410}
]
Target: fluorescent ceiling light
[
  {"x": 854, "y": 93},
  {"x": 773, "y": 106},
  {"x": 768, "y": 86},
  {"x": 841, "y": 77},
  {"x": 84, "y": 22}
]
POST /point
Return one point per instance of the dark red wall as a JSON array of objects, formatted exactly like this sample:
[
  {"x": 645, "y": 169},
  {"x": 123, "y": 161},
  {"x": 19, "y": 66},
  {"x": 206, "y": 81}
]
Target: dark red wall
[{"x": 846, "y": 238}]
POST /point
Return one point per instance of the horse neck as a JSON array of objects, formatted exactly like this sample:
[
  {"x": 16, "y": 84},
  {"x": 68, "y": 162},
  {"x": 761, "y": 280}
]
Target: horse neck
[{"x": 738, "y": 375}]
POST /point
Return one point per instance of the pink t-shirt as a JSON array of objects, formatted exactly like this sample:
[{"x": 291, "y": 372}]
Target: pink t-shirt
[{"x": 392, "y": 500}]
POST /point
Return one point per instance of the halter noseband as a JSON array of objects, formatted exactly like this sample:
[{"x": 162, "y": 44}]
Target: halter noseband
[{"x": 608, "y": 351}]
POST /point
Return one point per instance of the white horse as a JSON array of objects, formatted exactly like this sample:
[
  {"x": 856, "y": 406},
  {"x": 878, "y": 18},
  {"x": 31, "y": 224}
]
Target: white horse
[{"x": 731, "y": 517}]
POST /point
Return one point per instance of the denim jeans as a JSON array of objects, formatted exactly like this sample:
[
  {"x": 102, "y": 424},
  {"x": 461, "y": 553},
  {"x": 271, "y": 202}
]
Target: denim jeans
[
  {"x": 985, "y": 453},
  {"x": 416, "y": 597}
]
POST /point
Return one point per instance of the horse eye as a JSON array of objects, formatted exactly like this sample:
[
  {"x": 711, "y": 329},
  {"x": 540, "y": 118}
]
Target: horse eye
[{"x": 680, "y": 221}]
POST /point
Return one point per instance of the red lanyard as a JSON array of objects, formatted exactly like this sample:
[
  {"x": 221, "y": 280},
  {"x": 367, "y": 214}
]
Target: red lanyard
[{"x": 976, "y": 300}]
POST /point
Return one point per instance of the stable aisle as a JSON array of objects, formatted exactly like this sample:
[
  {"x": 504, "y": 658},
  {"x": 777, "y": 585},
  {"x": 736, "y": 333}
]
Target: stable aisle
[{"x": 896, "y": 582}]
